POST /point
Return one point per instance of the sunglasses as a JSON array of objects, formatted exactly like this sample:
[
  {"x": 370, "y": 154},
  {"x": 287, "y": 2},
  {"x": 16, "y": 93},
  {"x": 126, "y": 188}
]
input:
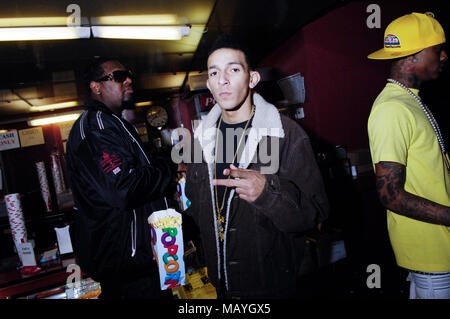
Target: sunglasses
[{"x": 117, "y": 76}]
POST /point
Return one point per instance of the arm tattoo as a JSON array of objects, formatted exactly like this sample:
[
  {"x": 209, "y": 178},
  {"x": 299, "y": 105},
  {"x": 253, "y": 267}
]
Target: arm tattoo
[{"x": 390, "y": 182}]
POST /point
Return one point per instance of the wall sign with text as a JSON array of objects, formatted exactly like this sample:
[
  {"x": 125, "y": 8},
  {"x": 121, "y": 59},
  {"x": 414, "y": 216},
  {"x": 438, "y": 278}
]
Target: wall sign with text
[
  {"x": 9, "y": 140},
  {"x": 31, "y": 136}
]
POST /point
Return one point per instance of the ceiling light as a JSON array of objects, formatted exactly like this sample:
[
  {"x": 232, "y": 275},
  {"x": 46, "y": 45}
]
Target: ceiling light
[
  {"x": 54, "y": 106},
  {"x": 43, "y": 33},
  {"x": 39, "y": 21},
  {"x": 141, "y": 32},
  {"x": 155, "y": 19},
  {"x": 33, "y": 21},
  {"x": 54, "y": 119},
  {"x": 146, "y": 103},
  {"x": 161, "y": 80}
]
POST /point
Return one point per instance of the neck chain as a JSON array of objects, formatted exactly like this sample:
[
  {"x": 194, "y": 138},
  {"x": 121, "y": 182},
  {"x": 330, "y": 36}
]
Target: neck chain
[
  {"x": 220, "y": 218},
  {"x": 430, "y": 118}
]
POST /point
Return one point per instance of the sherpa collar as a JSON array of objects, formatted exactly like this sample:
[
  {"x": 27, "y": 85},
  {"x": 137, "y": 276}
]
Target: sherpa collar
[{"x": 266, "y": 122}]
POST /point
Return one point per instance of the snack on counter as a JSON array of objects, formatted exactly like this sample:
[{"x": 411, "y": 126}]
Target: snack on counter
[
  {"x": 87, "y": 289},
  {"x": 168, "y": 247}
]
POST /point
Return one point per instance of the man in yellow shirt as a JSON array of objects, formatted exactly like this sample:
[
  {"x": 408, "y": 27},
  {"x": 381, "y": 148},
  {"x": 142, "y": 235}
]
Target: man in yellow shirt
[{"x": 411, "y": 162}]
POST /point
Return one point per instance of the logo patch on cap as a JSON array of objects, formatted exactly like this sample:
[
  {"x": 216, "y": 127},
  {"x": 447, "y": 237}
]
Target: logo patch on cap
[{"x": 391, "y": 41}]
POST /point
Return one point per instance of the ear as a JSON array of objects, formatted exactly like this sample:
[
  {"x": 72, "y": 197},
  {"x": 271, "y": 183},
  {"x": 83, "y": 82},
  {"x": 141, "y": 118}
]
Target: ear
[
  {"x": 94, "y": 87},
  {"x": 255, "y": 77}
]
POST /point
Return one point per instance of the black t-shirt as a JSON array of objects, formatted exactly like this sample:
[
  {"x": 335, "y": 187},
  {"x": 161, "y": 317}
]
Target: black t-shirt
[{"x": 227, "y": 146}]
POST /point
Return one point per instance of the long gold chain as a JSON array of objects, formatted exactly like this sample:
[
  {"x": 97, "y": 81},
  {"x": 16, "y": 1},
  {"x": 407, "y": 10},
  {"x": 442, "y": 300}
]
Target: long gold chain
[{"x": 220, "y": 218}]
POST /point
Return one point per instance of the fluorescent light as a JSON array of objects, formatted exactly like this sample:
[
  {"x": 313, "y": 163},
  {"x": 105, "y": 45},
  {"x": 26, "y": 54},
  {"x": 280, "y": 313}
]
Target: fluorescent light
[
  {"x": 54, "y": 119},
  {"x": 40, "y": 21},
  {"x": 161, "y": 80},
  {"x": 43, "y": 33},
  {"x": 143, "y": 103},
  {"x": 54, "y": 106},
  {"x": 32, "y": 21},
  {"x": 156, "y": 19},
  {"x": 141, "y": 32}
]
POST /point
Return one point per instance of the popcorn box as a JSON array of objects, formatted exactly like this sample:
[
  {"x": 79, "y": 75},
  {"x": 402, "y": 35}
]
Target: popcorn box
[{"x": 168, "y": 247}]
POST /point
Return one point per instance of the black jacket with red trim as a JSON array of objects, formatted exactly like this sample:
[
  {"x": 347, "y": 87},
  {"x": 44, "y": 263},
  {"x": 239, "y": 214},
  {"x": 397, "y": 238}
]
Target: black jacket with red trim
[{"x": 116, "y": 185}]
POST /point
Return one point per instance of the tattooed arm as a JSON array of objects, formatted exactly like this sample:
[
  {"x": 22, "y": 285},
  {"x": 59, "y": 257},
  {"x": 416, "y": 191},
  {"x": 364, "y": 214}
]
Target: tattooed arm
[{"x": 390, "y": 180}]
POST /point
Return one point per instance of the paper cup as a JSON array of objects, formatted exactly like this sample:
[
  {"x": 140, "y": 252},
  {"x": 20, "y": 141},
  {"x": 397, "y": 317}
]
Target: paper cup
[
  {"x": 15, "y": 216},
  {"x": 43, "y": 182},
  {"x": 57, "y": 174}
]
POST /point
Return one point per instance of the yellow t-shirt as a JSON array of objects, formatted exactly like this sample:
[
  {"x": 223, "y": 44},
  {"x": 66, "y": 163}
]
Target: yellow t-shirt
[{"x": 400, "y": 132}]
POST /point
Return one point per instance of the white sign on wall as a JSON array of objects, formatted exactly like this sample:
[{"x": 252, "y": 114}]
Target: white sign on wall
[{"x": 9, "y": 140}]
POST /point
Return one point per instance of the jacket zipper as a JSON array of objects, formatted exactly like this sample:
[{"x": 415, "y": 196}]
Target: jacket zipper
[
  {"x": 134, "y": 223},
  {"x": 133, "y": 234},
  {"x": 227, "y": 218}
]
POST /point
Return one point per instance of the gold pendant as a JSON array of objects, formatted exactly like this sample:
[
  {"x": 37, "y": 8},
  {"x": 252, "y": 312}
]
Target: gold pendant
[{"x": 220, "y": 229}]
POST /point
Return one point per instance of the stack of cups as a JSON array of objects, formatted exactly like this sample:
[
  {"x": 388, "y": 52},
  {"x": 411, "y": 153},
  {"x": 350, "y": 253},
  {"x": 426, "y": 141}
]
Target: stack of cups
[
  {"x": 45, "y": 191},
  {"x": 16, "y": 220},
  {"x": 57, "y": 174}
]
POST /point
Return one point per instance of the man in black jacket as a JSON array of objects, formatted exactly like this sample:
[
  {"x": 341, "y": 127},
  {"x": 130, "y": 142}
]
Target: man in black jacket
[{"x": 116, "y": 186}]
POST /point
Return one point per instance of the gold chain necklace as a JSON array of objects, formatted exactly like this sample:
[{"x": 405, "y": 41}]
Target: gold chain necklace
[{"x": 220, "y": 218}]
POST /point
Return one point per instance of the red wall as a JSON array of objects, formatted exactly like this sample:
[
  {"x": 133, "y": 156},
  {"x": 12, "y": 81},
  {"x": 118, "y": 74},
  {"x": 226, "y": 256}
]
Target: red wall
[{"x": 340, "y": 82}]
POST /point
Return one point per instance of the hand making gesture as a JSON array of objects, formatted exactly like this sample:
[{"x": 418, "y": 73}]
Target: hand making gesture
[{"x": 248, "y": 183}]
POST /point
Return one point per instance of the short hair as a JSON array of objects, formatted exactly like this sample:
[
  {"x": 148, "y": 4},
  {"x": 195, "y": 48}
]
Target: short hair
[
  {"x": 227, "y": 41},
  {"x": 94, "y": 70}
]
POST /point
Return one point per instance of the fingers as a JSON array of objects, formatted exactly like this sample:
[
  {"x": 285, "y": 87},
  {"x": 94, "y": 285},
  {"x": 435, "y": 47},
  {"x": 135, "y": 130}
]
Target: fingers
[
  {"x": 248, "y": 183},
  {"x": 226, "y": 182},
  {"x": 239, "y": 172}
]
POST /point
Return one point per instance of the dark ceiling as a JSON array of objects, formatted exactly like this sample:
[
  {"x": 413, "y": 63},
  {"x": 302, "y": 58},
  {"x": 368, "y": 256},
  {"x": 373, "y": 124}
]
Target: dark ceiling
[{"x": 47, "y": 72}]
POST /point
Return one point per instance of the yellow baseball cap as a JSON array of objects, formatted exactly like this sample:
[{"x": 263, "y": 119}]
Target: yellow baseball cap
[{"x": 409, "y": 34}]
